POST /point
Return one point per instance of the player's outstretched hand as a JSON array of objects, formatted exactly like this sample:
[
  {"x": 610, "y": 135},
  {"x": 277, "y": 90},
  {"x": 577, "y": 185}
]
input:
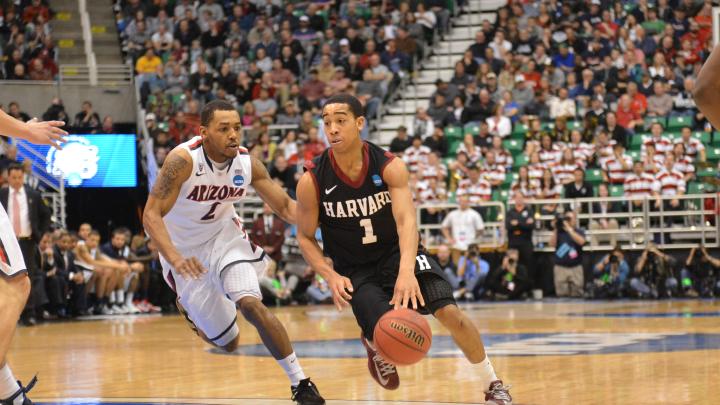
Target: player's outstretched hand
[
  {"x": 341, "y": 288},
  {"x": 46, "y": 133},
  {"x": 189, "y": 268},
  {"x": 407, "y": 290}
]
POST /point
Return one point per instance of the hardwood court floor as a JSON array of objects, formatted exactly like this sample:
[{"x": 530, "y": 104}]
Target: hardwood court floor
[{"x": 552, "y": 352}]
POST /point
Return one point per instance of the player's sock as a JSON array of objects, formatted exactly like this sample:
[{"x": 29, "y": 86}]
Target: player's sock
[
  {"x": 486, "y": 372},
  {"x": 292, "y": 368},
  {"x": 120, "y": 295},
  {"x": 129, "y": 298},
  {"x": 113, "y": 298},
  {"x": 9, "y": 385}
]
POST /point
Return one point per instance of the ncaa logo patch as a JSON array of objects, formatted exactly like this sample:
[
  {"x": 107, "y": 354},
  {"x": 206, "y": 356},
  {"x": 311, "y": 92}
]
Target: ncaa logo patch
[
  {"x": 377, "y": 180},
  {"x": 238, "y": 180}
]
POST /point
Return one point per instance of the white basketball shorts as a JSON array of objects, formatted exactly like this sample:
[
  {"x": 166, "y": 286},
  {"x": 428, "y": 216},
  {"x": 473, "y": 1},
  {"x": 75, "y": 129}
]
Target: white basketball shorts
[
  {"x": 11, "y": 258},
  {"x": 234, "y": 266}
]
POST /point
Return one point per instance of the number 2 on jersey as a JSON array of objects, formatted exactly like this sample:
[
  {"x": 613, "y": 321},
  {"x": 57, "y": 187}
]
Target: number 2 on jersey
[
  {"x": 369, "y": 237},
  {"x": 211, "y": 214}
]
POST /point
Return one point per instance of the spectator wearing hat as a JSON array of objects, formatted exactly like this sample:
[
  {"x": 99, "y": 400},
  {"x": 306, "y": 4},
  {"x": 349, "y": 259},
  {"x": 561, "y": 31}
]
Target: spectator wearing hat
[
  {"x": 565, "y": 60},
  {"x": 341, "y": 59}
]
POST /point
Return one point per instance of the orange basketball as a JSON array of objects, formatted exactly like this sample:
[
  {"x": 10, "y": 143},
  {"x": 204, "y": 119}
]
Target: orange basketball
[{"x": 402, "y": 337}]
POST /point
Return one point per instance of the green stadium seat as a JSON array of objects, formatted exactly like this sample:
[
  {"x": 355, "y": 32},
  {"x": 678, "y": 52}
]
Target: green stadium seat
[
  {"x": 452, "y": 133},
  {"x": 700, "y": 188},
  {"x": 520, "y": 160},
  {"x": 703, "y": 136},
  {"x": 500, "y": 196},
  {"x": 616, "y": 190},
  {"x": 713, "y": 154},
  {"x": 637, "y": 140},
  {"x": 519, "y": 131},
  {"x": 509, "y": 178},
  {"x": 679, "y": 122},
  {"x": 513, "y": 146},
  {"x": 547, "y": 126},
  {"x": 709, "y": 171},
  {"x": 453, "y": 146},
  {"x": 573, "y": 125},
  {"x": 650, "y": 120},
  {"x": 594, "y": 176},
  {"x": 634, "y": 154},
  {"x": 472, "y": 129}
]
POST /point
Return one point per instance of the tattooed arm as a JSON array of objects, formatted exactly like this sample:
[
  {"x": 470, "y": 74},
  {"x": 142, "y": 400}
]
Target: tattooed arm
[{"x": 174, "y": 172}]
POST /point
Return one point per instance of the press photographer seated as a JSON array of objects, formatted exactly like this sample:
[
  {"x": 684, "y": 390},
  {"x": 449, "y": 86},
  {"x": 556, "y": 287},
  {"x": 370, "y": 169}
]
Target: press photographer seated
[{"x": 610, "y": 275}]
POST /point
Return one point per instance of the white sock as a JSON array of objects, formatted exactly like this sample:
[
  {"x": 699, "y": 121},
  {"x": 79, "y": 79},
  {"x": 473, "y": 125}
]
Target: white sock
[
  {"x": 486, "y": 372},
  {"x": 129, "y": 298},
  {"x": 292, "y": 368},
  {"x": 9, "y": 385},
  {"x": 113, "y": 299},
  {"x": 120, "y": 294}
]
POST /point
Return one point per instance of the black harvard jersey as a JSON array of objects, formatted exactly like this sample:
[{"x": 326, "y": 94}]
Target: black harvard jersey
[{"x": 355, "y": 217}]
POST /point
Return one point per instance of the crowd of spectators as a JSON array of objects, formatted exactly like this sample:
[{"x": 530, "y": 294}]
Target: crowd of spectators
[
  {"x": 27, "y": 48},
  {"x": 275, "y": 61}
]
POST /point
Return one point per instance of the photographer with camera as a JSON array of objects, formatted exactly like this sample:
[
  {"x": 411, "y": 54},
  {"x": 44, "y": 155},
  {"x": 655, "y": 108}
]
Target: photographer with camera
[
  {"x": 610, "y": 275},
  {"x": 511, "y": 279},
  {"x": 699, "y": 277},
  {"x": 472, "y": 270},
  {"x": 568, "y": 241},
  {"x": 654, "y": 274}
]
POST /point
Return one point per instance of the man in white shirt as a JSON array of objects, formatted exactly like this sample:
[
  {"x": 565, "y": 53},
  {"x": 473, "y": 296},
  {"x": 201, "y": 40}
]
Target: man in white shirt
[{"x": 461, "y": 227}]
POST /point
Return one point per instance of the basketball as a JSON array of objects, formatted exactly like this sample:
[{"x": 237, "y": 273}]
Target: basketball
[{"x": 402, "y": 337}]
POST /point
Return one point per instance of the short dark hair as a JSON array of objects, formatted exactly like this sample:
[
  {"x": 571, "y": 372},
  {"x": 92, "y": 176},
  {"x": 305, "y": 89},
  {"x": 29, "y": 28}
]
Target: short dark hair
[
  {"x": 15, "y": 166},
  {"x": 209, "y": 110},
  {"x": 353, "y": 103},
  {"x": 94, "y": 233}
]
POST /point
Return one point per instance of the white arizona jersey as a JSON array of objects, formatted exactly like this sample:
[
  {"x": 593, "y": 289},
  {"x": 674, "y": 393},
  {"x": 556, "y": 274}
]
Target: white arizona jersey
[{"x": 206, "y": 198}]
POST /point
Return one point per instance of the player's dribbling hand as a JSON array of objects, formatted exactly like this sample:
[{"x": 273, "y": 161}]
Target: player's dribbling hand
[
  {"x": 189, "y": 268},
  {"x": 46, "y": 133},
  {"x": 341, "y": 288},
  {"x": 407, "y": 290}
]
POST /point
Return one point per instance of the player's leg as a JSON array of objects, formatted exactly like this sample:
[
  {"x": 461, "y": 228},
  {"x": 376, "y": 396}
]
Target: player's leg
[
  {"x": 14, "y": 291},
  {"x": 240, "y": 284},
  {"x": 370, "y": 301},
  {"x": 439, "y": 301},
  {"x": 136, "y": 270}
]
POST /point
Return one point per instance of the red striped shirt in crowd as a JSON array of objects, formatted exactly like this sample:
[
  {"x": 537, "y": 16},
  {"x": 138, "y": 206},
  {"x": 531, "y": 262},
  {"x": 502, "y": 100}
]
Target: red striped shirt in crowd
[
  {"x": 493, "y": 173},
  {"x": 671, "y": 182},
  {"x": 644, "y": 185},
  {"x": 661, "y": 143},
  {"x": 684, "y": 165},
  {"x": 692, "y": 147},
  {"x": 614, "y": 170},
  {"x": 550, "y": 156},
  {"x": 414, "y": 156},
  {"x": 476, "y": 192}
]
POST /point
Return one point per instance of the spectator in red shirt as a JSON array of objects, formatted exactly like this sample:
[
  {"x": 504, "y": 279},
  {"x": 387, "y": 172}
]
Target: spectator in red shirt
[
  {"x": 35, "y": 9},
  {"x": 179, "y": 130},
  {"x": 314, "y": 146},
  {"x": 627, "y": 114}
]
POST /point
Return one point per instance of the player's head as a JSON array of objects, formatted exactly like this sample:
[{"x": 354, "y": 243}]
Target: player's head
[
  {"x": 16, "y": 176},
  {"x": 343, "y": 118},
  {"x": 93, "y": 240},
  {"x": 84, "y": 230},
  {"x": 118, "y": 238},
  {"x": 220, "y": 128}
]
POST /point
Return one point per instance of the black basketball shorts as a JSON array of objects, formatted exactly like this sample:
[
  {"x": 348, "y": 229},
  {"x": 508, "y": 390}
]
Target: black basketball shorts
[{"x": 373, "y": 287}]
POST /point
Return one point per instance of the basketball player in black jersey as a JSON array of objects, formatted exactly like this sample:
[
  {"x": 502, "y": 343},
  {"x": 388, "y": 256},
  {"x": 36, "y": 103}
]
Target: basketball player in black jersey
[{"x": 359, "y": 196}]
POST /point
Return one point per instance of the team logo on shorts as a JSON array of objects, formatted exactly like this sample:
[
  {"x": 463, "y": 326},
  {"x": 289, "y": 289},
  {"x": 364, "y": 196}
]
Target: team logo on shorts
[
  {"x": 238, "y": 180},
  {"x": 377, "y": 180}
]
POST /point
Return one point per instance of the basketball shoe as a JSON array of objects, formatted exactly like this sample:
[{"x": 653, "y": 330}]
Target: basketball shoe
[
  {"x": 22, "y": 391},
  {"x": 381, "y": 371},
  {"x": 498, "y": 394},
  {"x": 306, "y": 393}
]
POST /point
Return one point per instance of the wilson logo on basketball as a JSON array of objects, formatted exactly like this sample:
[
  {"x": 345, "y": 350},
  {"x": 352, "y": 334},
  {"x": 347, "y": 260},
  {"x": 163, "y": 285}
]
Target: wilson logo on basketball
[{"x": 412, "y": 335}]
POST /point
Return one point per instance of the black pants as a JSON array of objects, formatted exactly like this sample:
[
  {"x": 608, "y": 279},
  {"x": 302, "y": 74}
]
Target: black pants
[
  {"x": 374, "y": 283},
  {"x": 526, "y": 256},
  {"x": 37, "y": 297},
  {"x": 56, "y": 289}
]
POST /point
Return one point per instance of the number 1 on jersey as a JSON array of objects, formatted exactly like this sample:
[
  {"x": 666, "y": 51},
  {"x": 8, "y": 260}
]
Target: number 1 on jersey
[{"x": 369, "y": 237}]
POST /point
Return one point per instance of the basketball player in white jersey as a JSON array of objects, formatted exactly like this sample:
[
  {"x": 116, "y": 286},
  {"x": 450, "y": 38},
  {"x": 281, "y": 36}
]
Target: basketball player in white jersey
[
  {"x": 206, "y": 255},
  {"x": 14, "y": 282}
]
